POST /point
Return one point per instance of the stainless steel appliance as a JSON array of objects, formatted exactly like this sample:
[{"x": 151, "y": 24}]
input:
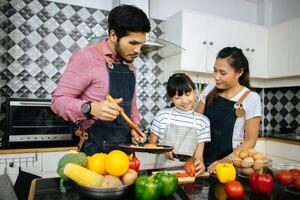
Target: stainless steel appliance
[{"x": 32, "y": 121}]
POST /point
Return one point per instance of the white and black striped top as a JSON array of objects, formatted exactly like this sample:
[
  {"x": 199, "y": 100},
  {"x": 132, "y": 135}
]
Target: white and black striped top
[{"x": 181, "y": 118}]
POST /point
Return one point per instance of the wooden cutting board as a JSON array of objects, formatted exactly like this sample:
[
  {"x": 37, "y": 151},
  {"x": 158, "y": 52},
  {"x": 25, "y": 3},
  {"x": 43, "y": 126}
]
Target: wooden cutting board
[{"x": 189, "y": 179}]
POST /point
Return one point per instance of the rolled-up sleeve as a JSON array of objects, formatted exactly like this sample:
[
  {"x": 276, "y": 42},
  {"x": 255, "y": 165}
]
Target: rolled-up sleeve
[{"x": 75, "y": 79}]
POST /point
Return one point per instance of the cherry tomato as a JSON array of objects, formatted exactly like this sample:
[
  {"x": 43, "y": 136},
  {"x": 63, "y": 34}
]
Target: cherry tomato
[
  {"x": 234, "y": 190},
  {"x": 189, "y": 168},
  {"x": 297, "y": 183},
  {"x": 284, "y": 177}
]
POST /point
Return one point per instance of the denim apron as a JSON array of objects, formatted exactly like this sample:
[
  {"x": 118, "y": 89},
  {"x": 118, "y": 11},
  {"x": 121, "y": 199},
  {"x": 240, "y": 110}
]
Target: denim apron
[
  {"x": 182, "y": 138},
  {"x": 104, "y": 136},
  {"x": 222, "y": 118}
]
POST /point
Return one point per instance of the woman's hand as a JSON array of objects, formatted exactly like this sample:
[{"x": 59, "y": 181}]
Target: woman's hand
[
  {"x": 200, "y": 168},
  {"x": 212, "y": 167}
]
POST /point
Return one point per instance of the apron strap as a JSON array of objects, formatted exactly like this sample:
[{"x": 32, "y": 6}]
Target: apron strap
[
  {"x": 109, "y": 60},
  {"x": 106, "y": 58},
  {"x": 239, "y": 110},
  {"x": 242, "y": 98}
]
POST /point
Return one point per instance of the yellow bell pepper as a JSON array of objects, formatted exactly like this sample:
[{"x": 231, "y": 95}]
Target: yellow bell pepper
[{"x": 225, "y": 172}]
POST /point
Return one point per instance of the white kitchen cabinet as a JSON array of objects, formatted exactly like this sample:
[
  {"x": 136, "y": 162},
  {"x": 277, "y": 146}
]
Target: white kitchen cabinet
[
  {"x": 253, "y": 40},
  {"x": 283, "y": 51},
  {"x": 42, "y": 164},
  {"x": 279, "y": 151},
  {"x": 294, "y": 47},
  {"x": 203, "y": 36},
  {"x": 28, "y": 162},
  {"x": 50, "y": 162},
  {"x": 278, "y": 51}
]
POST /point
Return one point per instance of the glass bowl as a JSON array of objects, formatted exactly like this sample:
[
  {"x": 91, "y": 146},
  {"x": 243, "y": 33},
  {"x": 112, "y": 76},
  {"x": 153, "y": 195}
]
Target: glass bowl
[
  {"x": 291, "y": 168},
  {"x": 248, "y": 165}
]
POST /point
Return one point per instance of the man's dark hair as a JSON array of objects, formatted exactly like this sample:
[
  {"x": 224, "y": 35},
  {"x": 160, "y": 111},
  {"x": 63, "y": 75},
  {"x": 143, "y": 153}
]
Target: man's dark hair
[{"x": 126, "y": 18}]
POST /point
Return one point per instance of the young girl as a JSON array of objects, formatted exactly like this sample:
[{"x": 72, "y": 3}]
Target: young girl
[
  {"x": 233, "y": 109},
  {"x": 180, "y": 126}
]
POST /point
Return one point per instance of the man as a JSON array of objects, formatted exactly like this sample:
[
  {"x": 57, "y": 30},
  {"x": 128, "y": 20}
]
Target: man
[{"x": 104, "y": 69}]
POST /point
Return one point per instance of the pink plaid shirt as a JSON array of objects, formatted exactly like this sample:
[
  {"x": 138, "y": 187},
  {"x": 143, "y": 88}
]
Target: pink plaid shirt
[{"x": 85, "y": 79}]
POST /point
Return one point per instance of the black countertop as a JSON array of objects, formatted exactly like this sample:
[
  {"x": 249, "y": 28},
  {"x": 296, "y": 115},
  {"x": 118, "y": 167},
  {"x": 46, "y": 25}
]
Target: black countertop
[{"x": 202, "y": 188}]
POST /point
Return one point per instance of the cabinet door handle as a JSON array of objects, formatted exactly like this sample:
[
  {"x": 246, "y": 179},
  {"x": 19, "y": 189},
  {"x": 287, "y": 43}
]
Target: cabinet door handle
[
  {"x": 211, "y": 43},
  {"x": 252, "y": 50},
  {"x": 247, "y": 49},
  {"x": 204, "y": 42}
]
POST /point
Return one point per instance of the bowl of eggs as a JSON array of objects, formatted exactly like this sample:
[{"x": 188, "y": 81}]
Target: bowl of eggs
[{"x": 248, "y": 161}]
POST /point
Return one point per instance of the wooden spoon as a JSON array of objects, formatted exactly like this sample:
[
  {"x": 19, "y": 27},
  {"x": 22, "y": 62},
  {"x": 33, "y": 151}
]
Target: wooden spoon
[{"x": 126, "y": 118}]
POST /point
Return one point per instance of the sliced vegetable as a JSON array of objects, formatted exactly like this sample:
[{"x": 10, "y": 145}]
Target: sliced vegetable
[
  {"x": 169, "y": 182},
  {"x": 190, "y": 168},
  {"x": 83, "y": 176}
]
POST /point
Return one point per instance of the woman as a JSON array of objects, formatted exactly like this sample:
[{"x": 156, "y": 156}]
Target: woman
[{"x": 233, "y": 109}]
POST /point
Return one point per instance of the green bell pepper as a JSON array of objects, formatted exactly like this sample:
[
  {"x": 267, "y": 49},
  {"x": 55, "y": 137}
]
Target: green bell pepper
[
  {"x": 147, "y": 188},
  {"x": 169, "y": 182}
]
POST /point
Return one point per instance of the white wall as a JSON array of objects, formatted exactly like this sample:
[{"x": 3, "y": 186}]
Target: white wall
[
  {"x": 236, "y": 9},
  {"x": 99, "y": 4}
]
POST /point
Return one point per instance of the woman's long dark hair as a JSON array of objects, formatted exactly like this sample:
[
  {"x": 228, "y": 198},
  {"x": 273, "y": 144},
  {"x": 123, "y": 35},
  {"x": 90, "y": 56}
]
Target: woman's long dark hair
[{"x": 238, "y": 61}]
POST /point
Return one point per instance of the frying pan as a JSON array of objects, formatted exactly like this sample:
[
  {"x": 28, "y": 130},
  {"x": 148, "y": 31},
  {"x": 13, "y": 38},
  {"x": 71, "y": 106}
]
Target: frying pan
[{"x": 159, "y": 150}]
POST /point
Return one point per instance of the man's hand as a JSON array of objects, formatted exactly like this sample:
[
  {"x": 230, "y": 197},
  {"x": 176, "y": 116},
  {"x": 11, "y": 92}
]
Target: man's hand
[
  {"x": 105, "y": 110},
  {"x": 135, "y": 138}
]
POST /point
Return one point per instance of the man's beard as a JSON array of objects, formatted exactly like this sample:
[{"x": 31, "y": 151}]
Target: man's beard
[{"x": 120, "y": 53}]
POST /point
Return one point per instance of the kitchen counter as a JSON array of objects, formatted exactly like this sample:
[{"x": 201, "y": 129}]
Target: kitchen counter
[
  {"x": 202, "y": 188},
  {"x": 280, "y": 139},
  {"x": 58, "y": 149},
  {"x": 36, "y": 150}
]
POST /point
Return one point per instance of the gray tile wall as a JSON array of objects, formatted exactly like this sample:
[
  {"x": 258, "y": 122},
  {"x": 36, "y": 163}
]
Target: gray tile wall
[{"x": 38, "y": 37}]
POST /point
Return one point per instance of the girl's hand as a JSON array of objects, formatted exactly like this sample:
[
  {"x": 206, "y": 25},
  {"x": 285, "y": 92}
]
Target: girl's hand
[
  {"x": 200, "y": 168},
  {"x": 170, "y": 155}
]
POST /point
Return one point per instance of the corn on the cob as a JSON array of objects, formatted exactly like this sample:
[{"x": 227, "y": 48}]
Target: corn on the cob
[{"x": 83, "y": 176}]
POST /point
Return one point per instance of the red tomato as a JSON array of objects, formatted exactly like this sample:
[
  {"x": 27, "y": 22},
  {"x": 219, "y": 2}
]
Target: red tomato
[
  {"x": 297, "y": 183},
  {"x": 284, "y": 177},
  {"x": 234, "y": 190},
  {"x": 189, "y": 168},
  {"x": 295, "y": 172}
]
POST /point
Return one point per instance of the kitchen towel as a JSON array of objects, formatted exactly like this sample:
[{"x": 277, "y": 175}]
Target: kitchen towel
[
  {"x": 6, "y": 189},
  {"x": 23, "y": 183}
]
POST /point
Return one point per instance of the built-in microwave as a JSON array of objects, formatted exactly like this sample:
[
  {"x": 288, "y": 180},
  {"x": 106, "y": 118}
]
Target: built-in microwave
[{"x": 33, "y": 121}]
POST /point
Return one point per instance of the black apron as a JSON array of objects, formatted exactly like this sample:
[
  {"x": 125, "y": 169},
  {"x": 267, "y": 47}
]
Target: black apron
[
  {"x": 104, "y": 136},
  {"x": 222, "y": 119}
]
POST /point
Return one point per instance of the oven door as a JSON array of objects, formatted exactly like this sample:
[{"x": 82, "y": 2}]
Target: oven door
[{"x": 33, "y": 121}]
